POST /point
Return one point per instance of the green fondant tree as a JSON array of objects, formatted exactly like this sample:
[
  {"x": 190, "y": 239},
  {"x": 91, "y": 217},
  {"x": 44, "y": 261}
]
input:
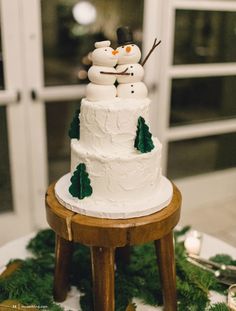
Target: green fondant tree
[
  {"x": 74, "y": 131},
  {"x": 143, "y": 141},
  {"x": 80, "y": 183}
]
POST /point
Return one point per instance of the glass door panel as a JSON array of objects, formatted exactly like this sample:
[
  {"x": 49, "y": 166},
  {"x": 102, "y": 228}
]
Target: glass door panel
[
  {"x": 202, "y": 40},
  {"x": 58, "y": 118},
  {"x": 6, "y": 203},
  {"x": 204, "y": 37},
  {"x": 195, "y": 100},
  {"x": 68, "y": 37},
  {"x": 1, "y": 58},
  {"x": 201, "y": 155},
  {"x": 70, "y": 29},
  {"x": 196, "y": 97}
]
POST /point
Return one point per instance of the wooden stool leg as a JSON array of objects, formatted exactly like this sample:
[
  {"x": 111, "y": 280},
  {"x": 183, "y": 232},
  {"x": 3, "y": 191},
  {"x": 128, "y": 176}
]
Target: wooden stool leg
[
  {"x": 103, "y": 278},
  {"x": 63, "y": 252},
  {"x": 166, "y": 263}
]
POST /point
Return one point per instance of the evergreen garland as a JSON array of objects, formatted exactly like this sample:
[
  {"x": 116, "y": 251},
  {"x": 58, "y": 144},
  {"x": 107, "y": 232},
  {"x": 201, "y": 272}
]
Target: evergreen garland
[{"x": 32, "y": 282}]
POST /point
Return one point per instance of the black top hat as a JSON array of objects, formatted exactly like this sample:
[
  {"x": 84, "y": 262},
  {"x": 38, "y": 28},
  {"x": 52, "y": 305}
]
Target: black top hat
[{"x": 124, "y": 35}]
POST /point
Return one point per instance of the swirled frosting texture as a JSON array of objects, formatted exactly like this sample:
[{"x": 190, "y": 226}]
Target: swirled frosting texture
[
  {"x": 119, "y": 179},
  {"x": 110, "y": 126}
]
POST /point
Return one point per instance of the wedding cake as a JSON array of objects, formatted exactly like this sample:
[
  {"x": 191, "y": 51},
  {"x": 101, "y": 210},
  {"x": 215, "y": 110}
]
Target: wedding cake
[{"x": 115, "y": 160}]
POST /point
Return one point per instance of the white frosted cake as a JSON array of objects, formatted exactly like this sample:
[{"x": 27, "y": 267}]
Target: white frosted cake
[{"x": 115, "y": 160}]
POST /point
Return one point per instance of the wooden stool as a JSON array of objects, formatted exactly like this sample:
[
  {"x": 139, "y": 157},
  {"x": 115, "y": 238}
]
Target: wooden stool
[{"x": 104, "y": 236}]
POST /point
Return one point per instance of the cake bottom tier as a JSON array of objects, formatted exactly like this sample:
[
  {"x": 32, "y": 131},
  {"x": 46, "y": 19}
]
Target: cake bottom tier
[
  {"x": 120, "y": 180},
  {"x": 119, "y": 183},
  {"x": 113, "y": 210}
]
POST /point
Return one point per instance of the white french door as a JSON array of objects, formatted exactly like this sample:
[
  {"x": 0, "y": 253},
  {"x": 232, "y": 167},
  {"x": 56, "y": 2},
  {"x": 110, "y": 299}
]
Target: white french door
[
  {"x": 45, "y": 61},
  {"x": 15, "y": 203}
]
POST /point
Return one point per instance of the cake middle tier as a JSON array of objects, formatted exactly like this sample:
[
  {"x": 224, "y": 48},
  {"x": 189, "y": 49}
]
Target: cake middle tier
[
  {"x": 111, "y": 126},
  {"x": 119, "y": 180}
]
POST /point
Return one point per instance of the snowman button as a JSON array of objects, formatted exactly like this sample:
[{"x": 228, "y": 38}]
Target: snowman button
[
  {"x": 132, "y": 74},
  {"x": 132, "y": 91}
]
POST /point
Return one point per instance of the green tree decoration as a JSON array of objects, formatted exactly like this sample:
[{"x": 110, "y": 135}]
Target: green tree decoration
[
  {"x": 74, "y": 131},
  {"x": 143, "y": 141},
  {"x": 80, "y": 183}
]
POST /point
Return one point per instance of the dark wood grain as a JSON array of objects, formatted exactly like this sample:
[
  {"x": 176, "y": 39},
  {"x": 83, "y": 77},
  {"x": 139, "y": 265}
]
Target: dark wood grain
[
  {"x": 63, "y": 255},
  {"x": 58, "y": 217},
  {"x": 121, "y": 232},
  {"x": 166, "y": 264},
  {"x": 103, "y": 278}
]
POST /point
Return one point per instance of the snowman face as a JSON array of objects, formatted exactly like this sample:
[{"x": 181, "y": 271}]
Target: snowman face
[
  {"x": 104, "y": 56},
  {"x": 128, "y": 54}
]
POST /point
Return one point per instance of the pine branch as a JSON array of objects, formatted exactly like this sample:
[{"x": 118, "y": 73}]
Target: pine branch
[
  {"x": 32, "y": 283},
  {"x": 219, "y": 307}
]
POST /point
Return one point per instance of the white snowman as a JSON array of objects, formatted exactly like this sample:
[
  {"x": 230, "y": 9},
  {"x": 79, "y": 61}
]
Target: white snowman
[
  {"x": 102, "y": 73},
  {"x": 129, "y": 55}
]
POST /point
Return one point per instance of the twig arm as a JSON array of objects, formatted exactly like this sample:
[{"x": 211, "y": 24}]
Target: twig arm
[
  {"x": 155, "y": 44},
  {"x": 124, "y": 73}
]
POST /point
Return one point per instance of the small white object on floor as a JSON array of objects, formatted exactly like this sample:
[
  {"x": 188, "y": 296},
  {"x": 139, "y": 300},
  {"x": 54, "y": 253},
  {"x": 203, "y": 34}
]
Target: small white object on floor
[
  {"x": 72, "y": 301},
  {"x": 193, "y": 242},
  {"x": 192, "y": 245}
]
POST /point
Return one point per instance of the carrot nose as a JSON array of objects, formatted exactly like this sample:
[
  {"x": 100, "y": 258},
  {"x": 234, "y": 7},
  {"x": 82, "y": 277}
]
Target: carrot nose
[
  {"x": 114, "y": 52},
  {"x": 128, "y": 49}
]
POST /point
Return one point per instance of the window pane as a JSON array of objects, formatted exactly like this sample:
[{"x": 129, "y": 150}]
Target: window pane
[
  {"x": 5, "y": 177},
  {"x": 204, "y": 37},
  {"x": 201, "y": 155},
  {"x": 67, "y": 42},
  {"x": 1, "y": 58},
  {"x": 202, "y": 99},
  {"x": 58, "y": 117}
]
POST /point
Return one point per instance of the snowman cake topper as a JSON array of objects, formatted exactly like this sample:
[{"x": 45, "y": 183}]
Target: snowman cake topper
[{"x": 129, "y": 72}]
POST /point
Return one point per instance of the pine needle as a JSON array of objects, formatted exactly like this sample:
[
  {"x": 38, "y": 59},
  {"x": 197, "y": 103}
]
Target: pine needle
[{"x": 32, "y": 282}]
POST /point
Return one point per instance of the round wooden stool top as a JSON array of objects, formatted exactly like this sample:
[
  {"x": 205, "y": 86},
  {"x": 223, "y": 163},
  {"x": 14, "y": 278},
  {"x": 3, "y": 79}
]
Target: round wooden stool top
[{"x": 102, "y": 232}]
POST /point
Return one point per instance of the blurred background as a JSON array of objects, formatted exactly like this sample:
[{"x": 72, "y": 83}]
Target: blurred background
[{"x": 191, "y": 77}]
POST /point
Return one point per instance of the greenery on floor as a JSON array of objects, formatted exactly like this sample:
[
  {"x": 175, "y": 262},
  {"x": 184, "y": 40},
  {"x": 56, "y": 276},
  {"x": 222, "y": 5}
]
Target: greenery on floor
[{"x": 31, "y": 283}]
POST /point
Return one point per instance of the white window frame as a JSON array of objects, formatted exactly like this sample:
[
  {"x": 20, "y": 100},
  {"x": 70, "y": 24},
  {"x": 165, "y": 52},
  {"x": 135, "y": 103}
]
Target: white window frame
[
  {"x": 17, "y": 222},
  {"x": 160, "y": 22}
]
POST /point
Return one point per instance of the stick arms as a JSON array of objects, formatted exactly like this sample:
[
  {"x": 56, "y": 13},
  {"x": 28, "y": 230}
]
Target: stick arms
[
  {"x": 122, "y": 73},
  {"x": 155, "y": 44}
]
